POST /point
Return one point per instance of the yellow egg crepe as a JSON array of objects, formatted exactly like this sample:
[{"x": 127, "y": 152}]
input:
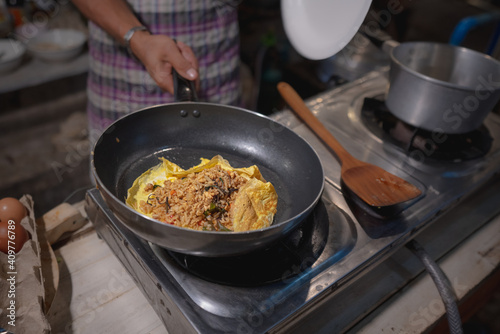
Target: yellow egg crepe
[{"x": 210, "y": 196}]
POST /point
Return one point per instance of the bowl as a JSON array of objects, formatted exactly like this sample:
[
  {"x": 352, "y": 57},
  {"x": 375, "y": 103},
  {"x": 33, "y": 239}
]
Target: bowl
[
  {"x": 57, "y": 44},
  {"x": 11, "y": 54}
]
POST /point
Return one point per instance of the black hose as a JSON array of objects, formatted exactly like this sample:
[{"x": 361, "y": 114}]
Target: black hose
[{"x": 443, "y": 286}]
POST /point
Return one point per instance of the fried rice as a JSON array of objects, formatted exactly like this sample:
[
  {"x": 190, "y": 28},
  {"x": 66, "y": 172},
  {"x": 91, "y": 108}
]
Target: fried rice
[{"x": 199, "y": 201}]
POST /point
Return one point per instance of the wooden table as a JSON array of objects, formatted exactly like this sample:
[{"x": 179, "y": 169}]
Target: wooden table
[{"x": 97, "y": 295}]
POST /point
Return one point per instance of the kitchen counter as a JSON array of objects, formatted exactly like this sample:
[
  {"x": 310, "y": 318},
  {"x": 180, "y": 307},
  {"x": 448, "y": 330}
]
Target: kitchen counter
[
  {"x": 33, "y": 72},
  {"x": 97, "y": 295}
]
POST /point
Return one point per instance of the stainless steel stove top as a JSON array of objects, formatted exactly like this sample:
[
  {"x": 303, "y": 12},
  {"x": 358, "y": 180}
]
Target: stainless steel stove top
[
  {"x": 340, "y": 111},
  {"x": 348, "y": 240}
]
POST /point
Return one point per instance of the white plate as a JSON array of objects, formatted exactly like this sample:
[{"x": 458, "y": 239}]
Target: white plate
[
  {"x": 318, "y": 29},
  {"x": 57, "y": 44},
  {"x": 11, "y": 54}
]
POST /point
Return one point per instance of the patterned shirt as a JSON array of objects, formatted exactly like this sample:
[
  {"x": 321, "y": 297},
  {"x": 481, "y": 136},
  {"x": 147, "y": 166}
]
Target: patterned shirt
[{"x": 118, "y": 84}]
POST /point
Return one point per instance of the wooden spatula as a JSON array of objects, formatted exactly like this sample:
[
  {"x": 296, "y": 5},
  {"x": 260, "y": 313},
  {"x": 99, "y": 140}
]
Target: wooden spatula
[{"x": 370, "y": 183}]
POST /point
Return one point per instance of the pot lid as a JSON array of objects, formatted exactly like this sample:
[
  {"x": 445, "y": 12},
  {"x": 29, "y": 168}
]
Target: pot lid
[{"x": 318, "y": 29}]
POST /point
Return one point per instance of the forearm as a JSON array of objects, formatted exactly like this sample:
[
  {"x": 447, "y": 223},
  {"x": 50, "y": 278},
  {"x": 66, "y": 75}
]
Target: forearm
[
  {"x": 114, "y": 16},
  {"x": 158, "y": 53}
]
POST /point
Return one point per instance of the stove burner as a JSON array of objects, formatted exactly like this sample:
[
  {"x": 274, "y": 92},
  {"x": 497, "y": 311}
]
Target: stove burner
[
  {"x": 448, "y": 147},
  {"x": 285, "y": 259}
]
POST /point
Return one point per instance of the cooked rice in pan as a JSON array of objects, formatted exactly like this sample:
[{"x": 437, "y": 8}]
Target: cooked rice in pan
[{"x": 199, "y": 201}]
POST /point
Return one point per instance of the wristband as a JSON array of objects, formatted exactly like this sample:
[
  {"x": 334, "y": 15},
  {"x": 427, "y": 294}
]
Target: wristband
[{"x": 128, "y": 36}]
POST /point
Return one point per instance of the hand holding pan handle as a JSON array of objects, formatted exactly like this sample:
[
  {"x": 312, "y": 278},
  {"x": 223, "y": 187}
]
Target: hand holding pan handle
[{"x": 184, "y": 89}]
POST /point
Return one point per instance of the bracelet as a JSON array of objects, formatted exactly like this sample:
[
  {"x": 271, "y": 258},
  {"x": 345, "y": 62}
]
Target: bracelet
[{"x": 128, "y": 36}]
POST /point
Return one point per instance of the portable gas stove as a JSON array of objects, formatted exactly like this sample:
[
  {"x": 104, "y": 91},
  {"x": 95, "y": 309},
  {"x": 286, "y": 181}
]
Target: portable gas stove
[{"x": 273, "y": 289}]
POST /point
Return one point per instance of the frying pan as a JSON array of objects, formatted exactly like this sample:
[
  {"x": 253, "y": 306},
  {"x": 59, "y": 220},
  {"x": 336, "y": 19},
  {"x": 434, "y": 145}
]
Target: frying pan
[
  {"x": 183, "y": 132},
  {"x": 439, "y": 87}
]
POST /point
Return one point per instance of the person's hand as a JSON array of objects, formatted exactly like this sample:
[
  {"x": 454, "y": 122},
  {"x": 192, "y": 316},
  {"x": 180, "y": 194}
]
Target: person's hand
[{"x": 160, "y": 53}]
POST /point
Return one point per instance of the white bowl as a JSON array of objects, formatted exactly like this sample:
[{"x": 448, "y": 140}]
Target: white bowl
[
  {"x": 57, "y": 44},
  {"x": 11, "y": 54}
]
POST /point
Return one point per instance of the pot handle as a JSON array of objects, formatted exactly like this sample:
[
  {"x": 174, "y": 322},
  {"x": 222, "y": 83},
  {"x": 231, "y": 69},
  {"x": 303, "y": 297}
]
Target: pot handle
[
  {"x": 379, "y": 38},
  {"x": 184, "y": 89}
]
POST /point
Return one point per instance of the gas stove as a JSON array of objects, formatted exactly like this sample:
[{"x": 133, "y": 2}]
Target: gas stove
[{"x": 339, "y": 243}]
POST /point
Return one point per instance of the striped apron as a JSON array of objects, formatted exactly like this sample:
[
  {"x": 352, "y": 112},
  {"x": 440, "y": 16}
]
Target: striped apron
[{"x": 118, "y": 84}]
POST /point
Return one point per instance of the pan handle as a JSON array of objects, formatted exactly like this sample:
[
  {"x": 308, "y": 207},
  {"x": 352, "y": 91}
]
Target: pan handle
[
  {"x": 184, "y": 89},
  {"x": 379, "y": 38}
]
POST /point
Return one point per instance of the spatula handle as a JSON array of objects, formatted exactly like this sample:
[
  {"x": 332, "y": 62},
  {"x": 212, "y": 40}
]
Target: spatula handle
[{"x": 295, "y": 102}]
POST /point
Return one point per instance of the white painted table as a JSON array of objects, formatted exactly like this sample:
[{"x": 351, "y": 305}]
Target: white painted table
[{"x": 97, "y": 295}]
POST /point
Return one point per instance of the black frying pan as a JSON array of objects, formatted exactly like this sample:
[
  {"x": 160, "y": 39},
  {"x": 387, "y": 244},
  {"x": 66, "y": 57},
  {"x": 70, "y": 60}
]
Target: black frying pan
[{"x": 183, "y": 132}]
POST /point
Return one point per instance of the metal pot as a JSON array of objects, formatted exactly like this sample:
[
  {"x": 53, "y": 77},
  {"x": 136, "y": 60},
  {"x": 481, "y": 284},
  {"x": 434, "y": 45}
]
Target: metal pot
[{"x": 440, "y": 87}]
